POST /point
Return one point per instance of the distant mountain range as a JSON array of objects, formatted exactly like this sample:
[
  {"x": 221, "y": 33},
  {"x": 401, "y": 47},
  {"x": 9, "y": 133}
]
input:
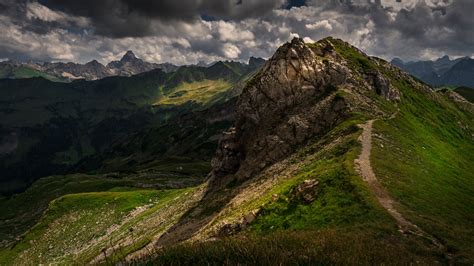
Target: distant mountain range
[
  {"x": 441, "y": 72},
  {"x": 127, "y": 66}
]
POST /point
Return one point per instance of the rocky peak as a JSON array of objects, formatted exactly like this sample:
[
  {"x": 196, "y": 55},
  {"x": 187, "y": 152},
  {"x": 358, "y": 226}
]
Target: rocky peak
[
  {"x": 256, "y": 62},
  {"x": 130, "y": 65},
  {"x": 444, "y": 59},
  {"x": 128, "y": 56},
  {"x": 293, "y": 98},
  {"x": 94, "y": 63},
  {"x": 280, "y": 108},
  {"x": 397, "y": 62}
]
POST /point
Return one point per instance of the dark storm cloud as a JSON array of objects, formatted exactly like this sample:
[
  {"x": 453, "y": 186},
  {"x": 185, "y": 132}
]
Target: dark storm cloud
[
  {"x": 40, "y": 26},
  {"x": 443, "y": 28},
  {"x": 133, "y": 18},
  {"x": 449, "y": 28},
  {"x": 13, "y": 9},
  {"x": 17, "y": 12},
  {"x": 295, "y": 3},
  {"x": 407, "y": 28},
  {"x": 187, "y": 31}
]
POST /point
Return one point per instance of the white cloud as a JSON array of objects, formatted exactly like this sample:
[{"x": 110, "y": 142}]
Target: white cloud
[
  {"x": 231, "y": 51},
  {"x": 323, "y": 24},
  {"x": 229, "y": 32},
  {"x": 308, "y": 40},
  {"x": 36, "y": 10}
]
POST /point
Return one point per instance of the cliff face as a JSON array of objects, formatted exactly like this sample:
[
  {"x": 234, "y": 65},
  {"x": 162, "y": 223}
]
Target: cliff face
[{"x": 296, "y": 96}]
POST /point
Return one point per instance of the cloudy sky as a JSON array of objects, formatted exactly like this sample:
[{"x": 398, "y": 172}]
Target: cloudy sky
[{"x": 189, "y": 31}]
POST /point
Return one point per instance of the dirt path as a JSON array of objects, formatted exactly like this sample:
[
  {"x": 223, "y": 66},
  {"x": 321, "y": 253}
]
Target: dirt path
[{"x": 364, "y": 168}]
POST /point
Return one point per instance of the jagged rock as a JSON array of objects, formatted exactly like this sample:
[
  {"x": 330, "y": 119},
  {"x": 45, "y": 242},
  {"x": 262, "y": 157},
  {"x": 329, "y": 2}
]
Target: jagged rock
[
  {"x": 130, "y": 65},
  {"x": 250, "y": 217},
  {"x": 256, "y": 62},
  {"x": 227, "y": 159},
  {"x": 307, "y": 191},
  {"x": 90, "y": 71},
  {"x": 292, "y": 99},
  {"x": 229, "y": 229},
  {"x": 233, "y": 228},
  {"x": 282, "y": 107},
  {"x": 274, "y": 197},
  {"x": 382, "y": 86}
]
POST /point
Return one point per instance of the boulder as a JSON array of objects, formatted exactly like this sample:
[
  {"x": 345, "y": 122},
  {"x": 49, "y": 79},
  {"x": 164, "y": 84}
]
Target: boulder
[{"x": 307, "y": 191}]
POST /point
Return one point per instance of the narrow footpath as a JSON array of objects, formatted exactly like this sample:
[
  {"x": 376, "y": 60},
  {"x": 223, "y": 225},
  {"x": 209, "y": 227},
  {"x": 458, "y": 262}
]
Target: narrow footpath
[{"x": 363, "y": 166}]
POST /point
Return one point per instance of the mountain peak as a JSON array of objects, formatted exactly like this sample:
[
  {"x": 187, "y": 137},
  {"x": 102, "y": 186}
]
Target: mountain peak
[
  {"x": 397, "y": 61},
  {"x": 93, "y": 62},
  {"x": 128, "y": 56},
  {"x": 292, "y": 99},
  {"x": 444, "y": 59},
  {"x": 256, "y": 61},
  {"x": 297, "y": 41}
]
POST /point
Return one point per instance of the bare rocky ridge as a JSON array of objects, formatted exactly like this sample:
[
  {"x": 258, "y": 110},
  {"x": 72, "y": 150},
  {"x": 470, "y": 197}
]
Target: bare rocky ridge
[
  {"x": 127, "y": 66},
  {"x": 89, "y": 71},
  {"x": 292, "y": 99},
  {"x": 131, "y": 65}
]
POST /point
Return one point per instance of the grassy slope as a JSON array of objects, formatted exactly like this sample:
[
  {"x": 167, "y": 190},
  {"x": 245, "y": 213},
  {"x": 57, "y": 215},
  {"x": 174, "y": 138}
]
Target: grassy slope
[
  {"x": 344, "y": 225},
  {"x": 203, "y": 92},
  {"x": 21, "y": 211},
  {"x": 77, "y": 228},
  {"x": 25, "y": 72},
  {"x": 342, "y": 200},
  {"x": 324, "y": 247},
  {"x": 22, "y": 72},
  {"x": 425, "y": 158}
]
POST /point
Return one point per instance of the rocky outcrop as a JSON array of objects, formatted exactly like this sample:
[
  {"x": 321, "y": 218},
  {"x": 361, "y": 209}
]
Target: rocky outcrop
[
  {"x": 293, "y": 98},
  {"x": 233, "y": 228},
  {"x": 382, "y": 85},
  {"x": 306, "y": 192},
  {"x": 89, "y": 71}
]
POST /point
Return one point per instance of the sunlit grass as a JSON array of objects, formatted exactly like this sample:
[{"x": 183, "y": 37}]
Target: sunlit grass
[{"x": 201, "y": 92}]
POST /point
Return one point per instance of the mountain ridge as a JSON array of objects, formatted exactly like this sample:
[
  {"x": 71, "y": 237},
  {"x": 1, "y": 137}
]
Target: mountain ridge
[
  {"x": 127, "y": 66},
  {"x": 441, "y": 72}
]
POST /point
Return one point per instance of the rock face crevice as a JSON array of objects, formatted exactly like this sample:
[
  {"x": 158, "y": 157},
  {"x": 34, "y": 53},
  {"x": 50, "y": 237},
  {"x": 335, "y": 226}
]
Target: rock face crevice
[{"x": 293, "y": 98}]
